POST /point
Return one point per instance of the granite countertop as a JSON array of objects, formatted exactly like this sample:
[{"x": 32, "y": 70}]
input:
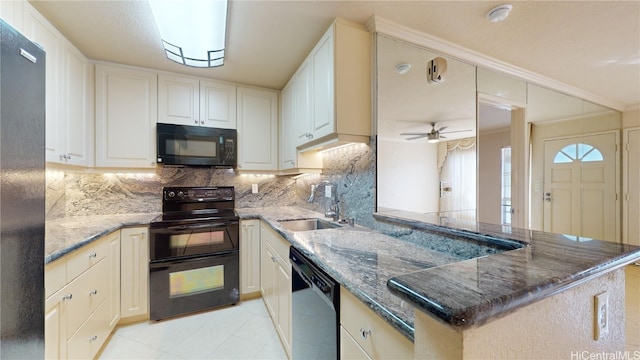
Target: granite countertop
[
  {"x": 461, "y": 285},
  {"x": 472, "y": 292},
  {"x": 66, "y": 234},
  {"x": 360, "y": 259}
]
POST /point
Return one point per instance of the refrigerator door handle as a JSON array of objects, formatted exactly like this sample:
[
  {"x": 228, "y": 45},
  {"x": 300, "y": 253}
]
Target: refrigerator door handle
[{"x": 28, "y": 56}]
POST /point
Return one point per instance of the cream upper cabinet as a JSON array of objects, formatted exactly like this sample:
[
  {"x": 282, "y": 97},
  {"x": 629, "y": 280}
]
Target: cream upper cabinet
[
  {"x": 134, "y": 259},
  {"x": 178, "y": 99},
  {"x": 323, "y": 86},
  {"x": 126, "y": 114},
  {"x": 291, "y": 160},
  {"x": 190, "y": 101},
  {"x": 77, "y": 115},
  {"x": 12, "y": 13},
  {"x": 68, "y": 93},
  {"x": 39, "y": 30},
  {"x": 287, "y": 128},
  {"x": 249, "y": 256},
  {"x": 218, "y": 105},
  {"x": 257, "y": 129},
  {"x": 336, "y": 77},
  {"x": 302, "y": 84}
]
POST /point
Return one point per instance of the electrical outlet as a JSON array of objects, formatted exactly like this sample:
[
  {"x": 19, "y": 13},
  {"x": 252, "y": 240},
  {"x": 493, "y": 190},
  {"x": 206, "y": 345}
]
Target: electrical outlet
[
  {"x": 254, "y": 188},
  {"x": 327, "y": 191},
  {"x": 601, "y": 313}
]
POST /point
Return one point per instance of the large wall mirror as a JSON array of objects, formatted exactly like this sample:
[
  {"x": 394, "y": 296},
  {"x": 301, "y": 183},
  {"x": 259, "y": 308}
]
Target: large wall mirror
[
  {"x": 414, "y": 172},
  {"x": 509, "y": 152}
]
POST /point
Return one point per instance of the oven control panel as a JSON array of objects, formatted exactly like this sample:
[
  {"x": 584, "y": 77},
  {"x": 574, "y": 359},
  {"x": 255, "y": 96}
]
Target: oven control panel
[{"x": 178, "y": 194}]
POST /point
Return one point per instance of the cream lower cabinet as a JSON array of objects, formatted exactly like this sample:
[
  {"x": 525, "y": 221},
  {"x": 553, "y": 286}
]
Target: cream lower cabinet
[
  {"x": 249, "y": 257},
  {"x": 365, "y": 335},
  {"x": 276, "y": 282},
  {"x": 134, "y": 281},
  {"x": 82, "y": 302}
]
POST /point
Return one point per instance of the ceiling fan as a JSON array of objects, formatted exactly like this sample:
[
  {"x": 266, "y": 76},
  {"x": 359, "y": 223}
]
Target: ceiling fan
[{"x": 433, "y": 136}]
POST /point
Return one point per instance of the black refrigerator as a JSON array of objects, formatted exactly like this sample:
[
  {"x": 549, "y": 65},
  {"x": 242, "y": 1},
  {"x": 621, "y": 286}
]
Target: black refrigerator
[{"x": 22, "y": 187}]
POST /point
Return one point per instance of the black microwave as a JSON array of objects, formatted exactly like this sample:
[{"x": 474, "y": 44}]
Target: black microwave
[{"x": 196, "y": 145}]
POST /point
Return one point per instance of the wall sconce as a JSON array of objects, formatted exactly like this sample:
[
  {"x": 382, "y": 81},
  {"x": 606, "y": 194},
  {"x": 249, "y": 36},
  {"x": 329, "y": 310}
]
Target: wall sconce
[{"x": 193, "y": 32}]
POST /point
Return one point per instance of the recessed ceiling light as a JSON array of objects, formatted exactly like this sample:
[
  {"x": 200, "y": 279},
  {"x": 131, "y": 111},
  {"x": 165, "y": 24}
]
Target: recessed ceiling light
[
  {"x": 499, "y": 12},
  {"x": 403, "y": 68}
]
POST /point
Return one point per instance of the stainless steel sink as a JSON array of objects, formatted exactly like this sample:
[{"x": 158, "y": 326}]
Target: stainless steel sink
[{"x": 309, "y": 224}]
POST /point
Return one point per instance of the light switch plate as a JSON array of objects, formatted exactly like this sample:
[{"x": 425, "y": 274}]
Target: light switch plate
[{"x": 327, "y": 191}]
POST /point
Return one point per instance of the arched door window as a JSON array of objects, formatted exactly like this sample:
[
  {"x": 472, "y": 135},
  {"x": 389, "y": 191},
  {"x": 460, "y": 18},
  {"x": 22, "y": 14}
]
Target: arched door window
[{"x": 578, "y": 152}]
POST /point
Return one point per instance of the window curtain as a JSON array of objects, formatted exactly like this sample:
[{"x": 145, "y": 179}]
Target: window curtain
[{"x": 457, "y": 166}]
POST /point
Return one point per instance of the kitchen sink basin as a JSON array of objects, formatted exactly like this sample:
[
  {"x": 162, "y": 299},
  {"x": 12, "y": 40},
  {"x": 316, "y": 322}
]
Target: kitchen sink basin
[{"x": 308, "y": 224}]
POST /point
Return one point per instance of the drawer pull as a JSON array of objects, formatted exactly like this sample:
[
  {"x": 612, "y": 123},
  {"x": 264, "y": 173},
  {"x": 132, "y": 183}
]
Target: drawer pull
[
  {"x": 365, "y": 333},
  {"x": 93, "y": 338},
  {"x": 67, "y": 297},
  {"x": 93, "y": 292},
  {"x": 92, "y": 255}
]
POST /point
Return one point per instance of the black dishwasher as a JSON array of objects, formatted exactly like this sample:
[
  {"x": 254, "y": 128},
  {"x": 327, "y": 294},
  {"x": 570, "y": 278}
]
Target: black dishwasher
[{"x": 315, "y": 310}]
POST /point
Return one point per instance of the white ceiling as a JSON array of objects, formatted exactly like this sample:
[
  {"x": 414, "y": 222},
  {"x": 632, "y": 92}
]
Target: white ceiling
[{"x": 589, "y": 45}]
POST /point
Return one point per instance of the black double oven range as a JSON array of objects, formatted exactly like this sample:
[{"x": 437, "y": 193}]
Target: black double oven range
[{"x": 194, "y": 251}]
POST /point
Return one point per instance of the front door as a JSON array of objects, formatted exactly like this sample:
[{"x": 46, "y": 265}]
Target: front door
[{"x": 580, "y": 186}]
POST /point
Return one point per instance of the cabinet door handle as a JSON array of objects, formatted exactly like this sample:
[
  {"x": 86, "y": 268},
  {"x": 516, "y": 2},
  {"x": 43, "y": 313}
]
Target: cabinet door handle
[
  {"x": 67, "y": 297},
  {"x": 92, "y": 255},
  {"x": 93, "y": 338},
  {"x": 365, "y": 333},
  {"x": 196, "y": 121},
  {"x": 93, "y": 292},
  {"x": 274, "y": 258}
]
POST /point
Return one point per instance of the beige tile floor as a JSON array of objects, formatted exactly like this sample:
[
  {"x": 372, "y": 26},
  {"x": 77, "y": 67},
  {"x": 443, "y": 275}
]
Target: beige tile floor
[{"x": 243, "y": 331}]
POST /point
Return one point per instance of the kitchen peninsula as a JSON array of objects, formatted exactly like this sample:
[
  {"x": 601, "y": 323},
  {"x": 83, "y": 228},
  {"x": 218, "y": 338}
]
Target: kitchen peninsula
[{"x": 475, "y": 285}]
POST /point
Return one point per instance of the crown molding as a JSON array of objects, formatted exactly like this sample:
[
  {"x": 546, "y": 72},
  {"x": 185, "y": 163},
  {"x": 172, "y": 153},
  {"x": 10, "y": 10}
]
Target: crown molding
[{"x": 377, "y": 24}]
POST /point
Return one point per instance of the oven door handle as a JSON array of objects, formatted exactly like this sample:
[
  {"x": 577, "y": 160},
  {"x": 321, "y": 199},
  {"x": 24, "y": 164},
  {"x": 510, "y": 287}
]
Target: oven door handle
[{"x": 198, "y": 227}]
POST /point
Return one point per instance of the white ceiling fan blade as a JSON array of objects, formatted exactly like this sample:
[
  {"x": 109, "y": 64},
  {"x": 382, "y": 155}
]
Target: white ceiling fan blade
[
  {"x": 413, "y": 133},
  {"x": 417, "y": 137},
  {"x": 456, "y": 131}
]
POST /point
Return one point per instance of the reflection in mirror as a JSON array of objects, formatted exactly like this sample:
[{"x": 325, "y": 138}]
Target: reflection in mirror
[
  {"x": 416, "y": 173},
  {"x": 501, "y": 177},
  {"x": 575, "y": 168}
]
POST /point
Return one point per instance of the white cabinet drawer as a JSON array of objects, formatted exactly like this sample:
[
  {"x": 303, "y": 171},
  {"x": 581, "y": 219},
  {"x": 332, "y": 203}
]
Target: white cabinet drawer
[
  {"x": 84, "y": 294},
  {"x": 279, "y": 245},
  {"x": 349, "y": 348},
  {"x": 85, "y": 343},
  {"x": 373, "y": 334},
  {"x": 55, "y": 277},
  {"x": 85, "y": 257}
]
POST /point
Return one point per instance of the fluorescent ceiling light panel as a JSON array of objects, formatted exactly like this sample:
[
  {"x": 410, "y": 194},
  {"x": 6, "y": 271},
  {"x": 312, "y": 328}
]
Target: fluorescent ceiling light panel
[{"x": 193, "y": 31}]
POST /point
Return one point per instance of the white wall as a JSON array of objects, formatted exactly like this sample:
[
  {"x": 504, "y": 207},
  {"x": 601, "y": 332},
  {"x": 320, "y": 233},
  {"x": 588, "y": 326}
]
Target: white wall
[
  {"x": 490, "y": 146},
  {"x": 631, "y": 117},
  {"x": 409, "y": 174}
]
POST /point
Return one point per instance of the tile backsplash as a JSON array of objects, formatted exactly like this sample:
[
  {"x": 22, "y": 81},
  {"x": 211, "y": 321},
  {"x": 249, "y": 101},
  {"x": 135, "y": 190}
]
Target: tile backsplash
[{"x": 352, "y": 169}]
